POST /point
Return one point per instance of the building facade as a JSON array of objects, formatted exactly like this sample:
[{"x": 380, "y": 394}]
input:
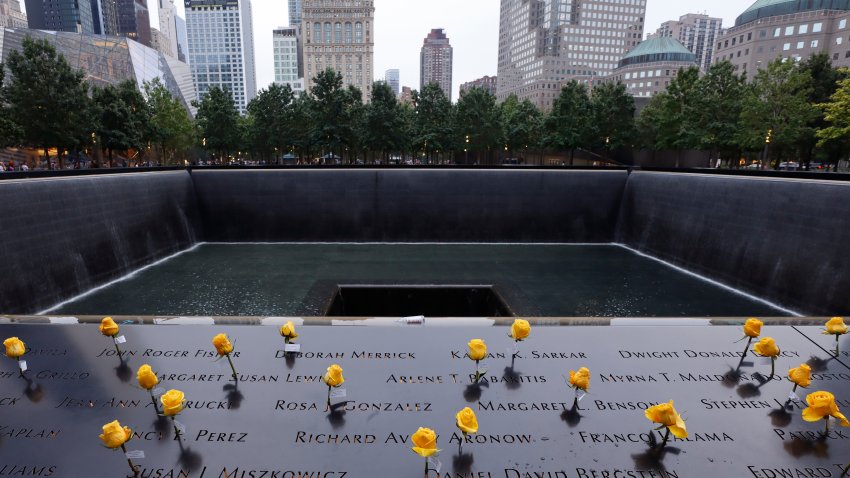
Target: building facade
[
  {"x": 295, "y": 13},
  {"x": 648, "y": 69},
  {"x": 60, "y": 15},
  {"x": 110, "y": 60},
  {"x": 168, "y": 25},
  {"x": 393, "y": 79},
  {"x": 105, "y": 16},
  {"x": 793, "y": 29},
  {"x": 339, "y": 34},
  {"x": 182, "y": 39},
  {"x": 435, "y": 62},
  {"x": 11, "y": 15},
  {"x": 286, "y": 58},
  {"x": 406, "y": 95},
  {"x": 221, "y": 47},
  {"x": 545, "y": 43},
  {"x": 697, "y": 32},
  {"x": 134, "y": 20},
  {"x": 489, "y": 83}
]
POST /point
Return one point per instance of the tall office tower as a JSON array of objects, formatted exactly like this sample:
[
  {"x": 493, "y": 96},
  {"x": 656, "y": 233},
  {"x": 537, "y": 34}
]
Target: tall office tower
[
  {"x": 697, "y": 32},
  {"x": 338, "y": 34},
  {"x": 294, "y": 13},
  {"x": 286, "y": 58},
  {"x": 11, "y": 15},
  {"x": 221, "y": 47},
  {"x": 134, "y": 20},
  {"x": 435, "y": 62},
  {"x": 105, "y": 17},
  {"x": 182, "y": 39},
  {"x": 545, "y": 43},
  {"x": 168, "y": 27},
  {"x": 60, "y": 15},
  {"x": 392, "y": 78}
]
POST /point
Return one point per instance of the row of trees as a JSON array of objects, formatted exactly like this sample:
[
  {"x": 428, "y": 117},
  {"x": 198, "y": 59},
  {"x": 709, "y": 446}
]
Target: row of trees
[
  {"x": 790, "y": 111},
  {"x": 46, "y": 104},
  {"x": 333, "y": 121}
]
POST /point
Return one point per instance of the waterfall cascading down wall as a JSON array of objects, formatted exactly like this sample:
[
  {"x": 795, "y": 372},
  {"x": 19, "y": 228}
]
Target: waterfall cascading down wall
[
  {"x": 60, "y": 237},
  {"x": 778, "y": 239}
]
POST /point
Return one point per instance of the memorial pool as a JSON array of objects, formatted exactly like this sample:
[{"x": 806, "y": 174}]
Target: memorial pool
[{"x": 214, "y": 279}]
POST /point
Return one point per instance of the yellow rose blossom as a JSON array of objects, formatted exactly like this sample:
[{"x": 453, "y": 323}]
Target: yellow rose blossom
[
  {"x": 426, "y": 442},
  {"x": 821, "y": 405},
  {"x": 108, "y": 327},
  {"x": 287, "y": 331},
  {"x": 114, "y": 435},
  {"x": 222, "y": 344},
  {"x": 467, "y": 421},
  {"x": 664, "y": 414},
  {"x": 801, "y": 376},
  {"x": 835, "y": 326},
  {"x": 15, "y": 347},
  {"x": 766, "y": 347},
  {"x": 333, "y": 377},
  {"x": 752, "y": 328},
  {"x": 477, "y": 349},
  {"x": 580, "y": 379},
  {"x": 172, "y": 402},
  {"x": 520, "y": 329},
  {"x": 147, "y": 379}
]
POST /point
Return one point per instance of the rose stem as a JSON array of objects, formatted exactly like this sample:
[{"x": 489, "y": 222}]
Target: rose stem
[
  {"x": 795, "y": 387},
  {"x": 115, "y": 342},
  {"x": 176, "y": 430},
  {"x": 476, "y": 371},
  {"x": 231, "y": 365},
  {"x": 749, "y": 342},
  {"x": 153, "y": 400},
  {"x": 129, "y": 461},
  {"x": 666, "y": 437},
  {"x": 836, "y": 345},
  {"x": 575, "y": 403},
  {"x": 460, "y": 445},
  {"x": 772, "y": 368},
  {"x": 826, "y": 430},
  {"x": 846, "y": 469},
  {"x": 329, "y": 396},
  {"x": 426, "y": 467}
]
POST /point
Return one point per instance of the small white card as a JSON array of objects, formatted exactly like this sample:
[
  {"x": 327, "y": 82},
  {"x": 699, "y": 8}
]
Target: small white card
[
  {"x": 135, "y": 454},
  {"x": 580, "y": 394},
  {"x": 180, "y": 427},
  {"x": 158, "y": 391},
  {"x": 434, "y": 464},
  {"x": 23, "y": 365},
  {"x": 483, "y": 367},
  {"x": 338, "y": 393},
  {"x": 120, "y": 339},
  {"x": 794, "y": 397},
  {"x": 292, "y": 348},
  {"x": 765, "y": 360}
]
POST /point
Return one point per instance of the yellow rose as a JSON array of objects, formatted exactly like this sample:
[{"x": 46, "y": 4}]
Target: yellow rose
[
  {"x": 466, "y": 421},
  {"x": 766, "y": 347},
  {"x": 15, "y": 347},
  {"x": 822, "y": 405},
  {"x": 108, "y": 327},
  {"x": 801, "y": 375},
  {"x": 665, "y": 414},
  {"x": 752, "y": 328},
  {"x": 222, "y": 344},
  {"x": 114, "y": 435},
  {"x": 147, "y": 379},
  {"x": 580, "y": 379},
  {"x": 835, "y": 326},
  {"x": 333, "y": 377},
  {"x": 172, "y": 402},
  {"x": 477, "y": 349},
  {"x": 288, "y": 331},
  {"x": 426, "y": 442},
  {"x": 520, "y": 329}
]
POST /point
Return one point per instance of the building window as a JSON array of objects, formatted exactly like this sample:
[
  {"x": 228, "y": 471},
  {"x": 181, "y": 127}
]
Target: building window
[
  {"x": 317, "y": 32},
  {"x": 777, "y": 32},
  {"x": 358, "y": 32},
  {"x": 786, "y": 47},
  {"x": 842, "y": 24},
  {"x": 839, "y": 40},
  {"x": 814, "y": 43},
  {"x": 803, "y": 29},
  {"x": 338, "y": 33},
  {"x": 800, "y": 45},
  {"x": 790, "y": 30},
  {"x": 348, "y": 32},
  {"x": 817, "y": 27}
]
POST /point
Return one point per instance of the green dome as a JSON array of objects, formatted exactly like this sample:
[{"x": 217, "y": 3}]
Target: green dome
[
  {"x": 658, "y": 49},
  {"x": 772, "y": 8}
]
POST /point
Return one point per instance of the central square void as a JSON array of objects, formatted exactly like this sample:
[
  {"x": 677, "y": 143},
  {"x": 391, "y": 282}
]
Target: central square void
[{"x": 406, "y": 301}]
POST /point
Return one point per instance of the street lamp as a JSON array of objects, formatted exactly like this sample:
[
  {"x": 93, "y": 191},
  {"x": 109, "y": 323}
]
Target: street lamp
[{"x": 767, "y": 139}]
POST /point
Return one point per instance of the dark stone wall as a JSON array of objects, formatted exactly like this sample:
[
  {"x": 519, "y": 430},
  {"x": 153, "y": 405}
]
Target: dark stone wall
[
  {"x": 60, "y": 237},
  {"x": 409, "y": 205},
  {"x": 780, "y": 239}
]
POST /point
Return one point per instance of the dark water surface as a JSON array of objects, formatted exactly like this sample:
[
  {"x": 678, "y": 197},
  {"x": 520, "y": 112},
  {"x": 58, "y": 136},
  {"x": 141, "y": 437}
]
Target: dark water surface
[{"x": 296, "y": 280}]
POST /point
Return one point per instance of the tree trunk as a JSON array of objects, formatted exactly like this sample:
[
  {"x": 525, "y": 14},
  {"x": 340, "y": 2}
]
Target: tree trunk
[
  {"x": 47, "y": 157},
  {"x": 572, "y": 156}
]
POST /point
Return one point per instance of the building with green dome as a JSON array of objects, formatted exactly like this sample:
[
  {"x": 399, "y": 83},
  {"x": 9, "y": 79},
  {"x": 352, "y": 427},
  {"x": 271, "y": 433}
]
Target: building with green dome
[
  {"x": 792, "y": 29},
  {"x": 648, "y": 68}
]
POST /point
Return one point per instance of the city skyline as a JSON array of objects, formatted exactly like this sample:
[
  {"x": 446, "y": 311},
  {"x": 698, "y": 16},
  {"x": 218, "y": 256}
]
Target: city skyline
[{"x": 474, "y": 28}]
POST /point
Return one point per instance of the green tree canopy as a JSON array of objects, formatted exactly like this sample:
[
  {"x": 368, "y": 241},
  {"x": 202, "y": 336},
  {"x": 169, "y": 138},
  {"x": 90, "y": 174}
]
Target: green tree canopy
[
  {"x": 522, "y": 123},
  {"x": 716, "y": 108},
  {"x": 613, "y": 115},
  {"x": 570, "y": 124},
  {"x": 383, "y": 126},
  {"x": 478, "y": 122},
  {"x": 170, "y": 129},
  {"x": 433, "y": 125},
  {"x": 218, "y": 121},
  {"x": 271, "y": 124}
]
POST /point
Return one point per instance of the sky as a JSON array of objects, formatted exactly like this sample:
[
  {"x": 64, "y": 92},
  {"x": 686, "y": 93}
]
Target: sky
[{"x": 472, "y": 27}]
